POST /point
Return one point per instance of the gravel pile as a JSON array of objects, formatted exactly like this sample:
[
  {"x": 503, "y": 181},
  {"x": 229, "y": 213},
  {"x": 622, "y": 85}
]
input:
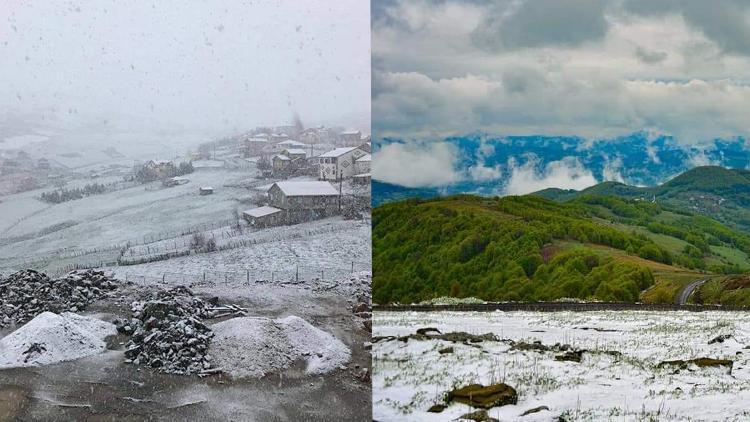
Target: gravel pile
[
  {"x": 252, "y": 347},
  {"x": 167, "y": 332},
  {"x": 28, "y": 293},
  {"x": 50, "y": 338}
]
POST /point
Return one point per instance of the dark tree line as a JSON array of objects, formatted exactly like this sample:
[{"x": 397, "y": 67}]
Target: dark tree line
[{"x": 64, "y": 195}]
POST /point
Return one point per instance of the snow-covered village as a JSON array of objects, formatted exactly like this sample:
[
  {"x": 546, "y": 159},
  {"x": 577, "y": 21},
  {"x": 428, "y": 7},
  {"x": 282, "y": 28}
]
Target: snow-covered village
[
  {"x": 185, "y": 213},
  {"x": 177, "y": 285}
]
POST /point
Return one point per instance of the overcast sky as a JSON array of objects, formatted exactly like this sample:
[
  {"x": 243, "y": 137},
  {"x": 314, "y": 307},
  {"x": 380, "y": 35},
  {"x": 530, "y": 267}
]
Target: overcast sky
[
  {"x": 209, "y": 65},
  {"x": 591, "y": 68},
  {"x": 594, "y": 68}
]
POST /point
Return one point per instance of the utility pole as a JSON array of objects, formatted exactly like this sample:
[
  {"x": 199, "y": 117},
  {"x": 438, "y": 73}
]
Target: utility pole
[{"x": 341, "y": 183}]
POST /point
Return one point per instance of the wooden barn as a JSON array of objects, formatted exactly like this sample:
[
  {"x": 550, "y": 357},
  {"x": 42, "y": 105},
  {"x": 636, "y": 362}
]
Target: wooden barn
[{"x": 264, "y": 216}]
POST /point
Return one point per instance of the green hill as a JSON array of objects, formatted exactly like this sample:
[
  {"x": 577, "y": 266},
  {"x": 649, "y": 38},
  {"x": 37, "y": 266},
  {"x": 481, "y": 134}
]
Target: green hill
[
  {"x": 720, "y": 193},
  {"x": 532, "y": 248}
]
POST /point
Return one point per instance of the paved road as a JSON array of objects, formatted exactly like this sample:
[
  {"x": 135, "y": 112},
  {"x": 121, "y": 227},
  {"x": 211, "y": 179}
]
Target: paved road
[{"x": 688, "y": 290}]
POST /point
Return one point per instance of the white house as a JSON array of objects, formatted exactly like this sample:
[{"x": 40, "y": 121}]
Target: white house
[{"x": 338, "y": 162}]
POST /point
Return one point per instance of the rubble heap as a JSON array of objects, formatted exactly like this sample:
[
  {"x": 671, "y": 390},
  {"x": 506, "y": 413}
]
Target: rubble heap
[
  {"x": 167, "y": 332},
  {"x": 27, "y": 293}
]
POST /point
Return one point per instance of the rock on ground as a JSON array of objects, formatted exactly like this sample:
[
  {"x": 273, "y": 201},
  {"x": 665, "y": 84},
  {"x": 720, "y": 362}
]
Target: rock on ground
[
  {"x": 167, "y": 332},
  {"x": 27, "y": 293}
]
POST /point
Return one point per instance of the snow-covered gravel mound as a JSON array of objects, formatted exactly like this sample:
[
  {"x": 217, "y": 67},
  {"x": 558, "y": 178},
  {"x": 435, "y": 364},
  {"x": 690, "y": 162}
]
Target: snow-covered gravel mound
[
  {"x": 253, "y": 346},
  {"x": 51, "y": 338}
]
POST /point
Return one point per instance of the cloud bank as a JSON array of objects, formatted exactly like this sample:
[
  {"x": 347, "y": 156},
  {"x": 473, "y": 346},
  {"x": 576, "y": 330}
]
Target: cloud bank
[
  {"x": 563, "y": 174},
  {"x": 592, "y": 68}
]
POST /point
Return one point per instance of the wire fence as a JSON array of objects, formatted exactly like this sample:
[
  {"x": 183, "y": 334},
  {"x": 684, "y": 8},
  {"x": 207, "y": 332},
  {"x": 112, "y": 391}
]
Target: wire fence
[
  {"x": 298, "y": 274},
  {"x": 226, "y": 238}
]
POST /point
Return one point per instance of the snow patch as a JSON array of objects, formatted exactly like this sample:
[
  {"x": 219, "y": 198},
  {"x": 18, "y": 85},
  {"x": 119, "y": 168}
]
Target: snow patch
[
  {"x": 51, "y": 338},
  {"x": 251, "y": 347}
]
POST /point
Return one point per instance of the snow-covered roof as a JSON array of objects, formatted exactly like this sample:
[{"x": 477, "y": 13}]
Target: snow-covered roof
[
  {"x": 256, "y": 139},
  {"x": 261, "y": 211},
  {"x": 351, "y": 132},
  {"x": 363, "y": 175},
  {"x": 337, "y": 152},
  {"x": 206, "y": 188},
  {"x": 281, "y": 157},
  {"x": 317, "y": 188},
  {"x": 161, "y": 162},
  {"x": 295, "y": 151},
  {"x": 292, "y": 142},
  {"x": 366, "y": 157}
]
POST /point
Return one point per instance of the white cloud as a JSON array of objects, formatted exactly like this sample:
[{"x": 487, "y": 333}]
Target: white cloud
[
  {"x": 662, "y": 72},
  {"x": 482, "y": 173},
  {"x": 699, "y": 158},
  {"x": 612, "y": 170},
  {"x": 568, "y": 173},
  {"x": 652, "y": 154},
  {"x": 416, "y": 164}
]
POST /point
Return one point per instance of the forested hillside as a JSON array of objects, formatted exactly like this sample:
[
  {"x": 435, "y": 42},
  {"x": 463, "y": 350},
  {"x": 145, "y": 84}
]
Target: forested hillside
[{"x": 531, "y": 248}]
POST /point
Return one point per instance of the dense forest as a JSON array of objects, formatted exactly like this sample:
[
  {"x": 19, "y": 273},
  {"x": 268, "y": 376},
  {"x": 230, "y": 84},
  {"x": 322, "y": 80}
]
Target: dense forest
[{"x": 531, "y": 248}]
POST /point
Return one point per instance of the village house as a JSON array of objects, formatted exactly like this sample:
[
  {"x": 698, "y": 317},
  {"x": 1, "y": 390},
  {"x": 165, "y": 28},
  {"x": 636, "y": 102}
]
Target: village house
[
  {"x": 350, "y": 138},
  {"x": 253, "y": 146},
  {"x": 290, "y": 130},
  {"x": 158, "y": 169},
  {"x": 291, "y": 143},
  {"x": 304, "y": 201},
  {"x": 295, "y": 153},
  {"x": 264, "y": 216},
  {"x": 289, "y": 162},
  {"x": 281, "y": 164},
  {"x": 205, "y": 190},
  {"x": 277, "y": 137},
  {"x": 312, "y": 136},
  {"x": 338, "y": 163},
  {"x": 362, "y": 170}
]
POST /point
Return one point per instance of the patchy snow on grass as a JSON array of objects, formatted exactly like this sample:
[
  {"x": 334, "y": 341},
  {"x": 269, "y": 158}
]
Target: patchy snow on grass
[
  {"x": 618, "y": 378},
  {"x": 251, "y": 347},
  {"x": 51, "y": 338}
]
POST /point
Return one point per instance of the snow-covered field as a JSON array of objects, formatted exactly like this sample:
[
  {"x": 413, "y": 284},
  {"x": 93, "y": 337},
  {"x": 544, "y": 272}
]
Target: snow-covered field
[
  {"x": 618, "y": 377},
  {"x": 329, "y": 245},
  {"x": 120, "y": 216}
]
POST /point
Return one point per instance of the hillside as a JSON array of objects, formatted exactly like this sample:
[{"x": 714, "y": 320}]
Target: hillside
[
  {"x": 531, "y": 248},
  {"x": 717, "y": 192},
  {"x": 383, "y": 192}
]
